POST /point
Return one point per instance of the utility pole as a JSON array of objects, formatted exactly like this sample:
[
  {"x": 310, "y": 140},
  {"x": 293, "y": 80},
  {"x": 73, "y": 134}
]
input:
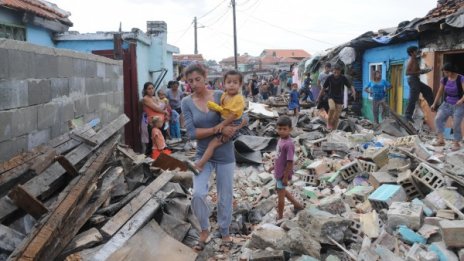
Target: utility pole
[
  {"x": 195, "y": 36},
  {"x": 235, "y": 35}
]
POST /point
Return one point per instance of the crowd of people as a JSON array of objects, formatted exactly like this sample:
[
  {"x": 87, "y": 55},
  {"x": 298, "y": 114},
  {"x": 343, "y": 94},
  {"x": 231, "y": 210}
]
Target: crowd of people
[{"x": 213, "y": 118}]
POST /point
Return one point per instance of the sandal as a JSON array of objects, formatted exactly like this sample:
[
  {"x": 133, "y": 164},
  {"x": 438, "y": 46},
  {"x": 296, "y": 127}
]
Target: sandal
[
  {"x": 200, "y": 246},
  {"x": 191, "y": 167},
  {"x": 226, "y": 246},
  {"x": 455, "y": 147}
]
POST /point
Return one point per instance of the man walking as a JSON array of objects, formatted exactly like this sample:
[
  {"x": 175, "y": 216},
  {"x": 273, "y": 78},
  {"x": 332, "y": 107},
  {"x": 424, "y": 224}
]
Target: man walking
[
  {"x": 416, "y": 87},
  {"x": 334, "y": 85},
  {"x": 321, "y": 80},
  {"x": 283, "y": 82}
]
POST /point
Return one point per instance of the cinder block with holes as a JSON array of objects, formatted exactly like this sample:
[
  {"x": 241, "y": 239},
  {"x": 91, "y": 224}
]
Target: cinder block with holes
[
  {"x": 385, "y": 195},
  {"x": 368, "y": 166},
  {"x": 406, "y": 141},
  {"x": 378, "y": 156},
  {"x": 349, "y": 171},
  {"x": 428, "y": 176},
  {"x": 409, "y": 185},
  {"x": 306, "y": 176},
  {"x": 356, "y": 234},
  {"x": 357, "y": 194}
]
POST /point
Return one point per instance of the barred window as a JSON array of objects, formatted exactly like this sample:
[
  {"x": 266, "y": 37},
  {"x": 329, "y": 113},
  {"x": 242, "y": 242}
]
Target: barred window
[{"x": 13, "y": 32}]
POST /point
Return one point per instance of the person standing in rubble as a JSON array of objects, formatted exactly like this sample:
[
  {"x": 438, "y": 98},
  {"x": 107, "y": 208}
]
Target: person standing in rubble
[
  {"x": 416, "y": 87},
  {"x": 378, "y": 89},
  {"x": 283, "y": 82},
  {"x": 334, "y": 86},
  {"x": 152, "y": 106},
  {"x": 283, "y": 166},
  {"x": 202, "y": 125},
  {"x": 452, "y": 86},
  {"x": 321, "y": 80},
  {"x": 253, "y": 88}
]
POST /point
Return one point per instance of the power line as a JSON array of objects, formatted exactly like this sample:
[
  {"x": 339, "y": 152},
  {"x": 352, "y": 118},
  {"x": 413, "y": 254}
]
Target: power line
[
  {"x": 290, "y": 31},
  {"x": 219, "y": 18},
  {"x": 183, "y": 34},
  {"x": 212, "y": 10}
]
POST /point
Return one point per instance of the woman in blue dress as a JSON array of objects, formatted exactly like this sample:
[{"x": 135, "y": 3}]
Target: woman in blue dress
[{"x": 294, "y": 103}]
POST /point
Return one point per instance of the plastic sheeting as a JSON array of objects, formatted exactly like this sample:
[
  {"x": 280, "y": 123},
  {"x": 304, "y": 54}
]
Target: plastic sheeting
[
  {"x": 347, "y": 55},
  {"x": 456, "y": 20},
  {"x": 248, "y": 148}
]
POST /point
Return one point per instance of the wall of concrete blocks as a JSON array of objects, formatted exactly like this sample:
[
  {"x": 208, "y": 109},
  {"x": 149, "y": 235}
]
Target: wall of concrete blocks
[{"x": 42, "y": 89}]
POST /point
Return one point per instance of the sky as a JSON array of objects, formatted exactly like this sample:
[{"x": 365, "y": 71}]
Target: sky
[{"x": 312, "y": 25}]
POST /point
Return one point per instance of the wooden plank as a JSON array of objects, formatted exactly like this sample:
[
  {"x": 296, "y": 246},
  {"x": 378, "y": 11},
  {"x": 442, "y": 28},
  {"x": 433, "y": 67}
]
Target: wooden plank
[
  {"x": 68, "y": 166},
  {"x": 57, "y": 229},
  {"x": 9, "y": 239},
  {"x": 130, "y": 228},
  {"x": 111, "y": 209},
  {"x": 86, "y": 137},
  {"x": 27, "y": 202},
  {"x": 43, "y": 161},
  {"x": 82, "y": 241},
  {"x": 118, "y": 220},
  {"x": 46, "y": 184},
  {"x": 152, "y": 241}
]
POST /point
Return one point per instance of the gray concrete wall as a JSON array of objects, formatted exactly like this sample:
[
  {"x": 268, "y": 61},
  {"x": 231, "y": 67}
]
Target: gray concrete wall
[{"x": 43, "y": 89}]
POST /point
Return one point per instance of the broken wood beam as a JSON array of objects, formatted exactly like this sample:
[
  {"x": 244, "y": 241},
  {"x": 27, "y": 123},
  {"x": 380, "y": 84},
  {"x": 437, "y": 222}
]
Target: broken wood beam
[
  {"x": 51, "y": 179},
  {"x": 166, "y": 162},
  {"x": 82, "y": 241},
  {"x": 111, "y": 209},
  {"x": 9, "y": 239},
  {"x": 42, "y": 162},
  {"x": 27, "y": 202},
  {"x": 56, "y": 230},
  {"x": 123, "y": 215},
  {"x": 68, "y": 166},
  {"x": 133, "y": 225}
]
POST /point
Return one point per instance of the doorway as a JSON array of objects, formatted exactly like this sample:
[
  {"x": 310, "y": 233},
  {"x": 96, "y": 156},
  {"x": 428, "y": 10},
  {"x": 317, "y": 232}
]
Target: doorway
[{"x": 395, "y": 95}]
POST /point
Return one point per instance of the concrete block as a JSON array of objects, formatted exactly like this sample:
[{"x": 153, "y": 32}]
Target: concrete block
[
  {"x": 267, "y": 255},
  {"x": 333, "y": 204},
  {"x": 404, "y": 213},
  {"x": 101, "y": 70},
  {"x": 6, "y": 123},
  {"x": 4, "y": 64},
  {"x": 76, "y": 87},
  {"x": 380, "y": 157},
  {"x": 119, "y": 98},
  {"x": 406, "y": 141},
  {"x": 13, "y": 94},
  {"x": 65, "y": 66},
  {"x": 25, "y": 120},
  {"x": 367, "y": 166},
  {"x": 81, "y": 107},
  {"x": 409, "y": 236},
  {"x": 408, "y": 183},
  {"x": 306, "y": 176},
  {"x": 11, "y": 147},
  {"x": 79, "y": 67},
  {"x": 46, "y": 66},
  {"x": 66, "y": 110},
  {"x": 376, "y": 179},
  {"x": 370, "y": 224},
  {"x": 20, "y": 64},
  {"x": 355, "y": 232},
  {"x": 357, "y": 194},
  {"x": 93, "y": 86},
  {"x": 428, "y": 176},
  {"x": 96, "y": 102},
  {"x": 349, "y": 171},
  {"x": 120, "y": 84},
  {"x": 385, "y": 195},
  {"x": 107, "y": 85},
  {"x": 37, "y": 138},
  {"x": 110, "y": 72},
  {"x": 443, "y": 253},
  {"x": 90, "y": 69},
  {"x": 318, "y": 167},
  {"x": 414, "y": 251},
  {"x": 47, "y": 115},
  {"x": 60, "y": 87},
  {"x": 39, "y": 92},
  {"x": 421, "y": 151},
  {"x": 452, "y": 232}
]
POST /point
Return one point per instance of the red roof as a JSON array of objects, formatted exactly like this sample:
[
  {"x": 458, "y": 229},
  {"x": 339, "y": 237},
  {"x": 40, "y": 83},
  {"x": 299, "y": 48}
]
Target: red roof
[
  {"x": 188, "y": 57},
  {"x": 40, "y": 8},
  {"x": 285, "y": 53}
]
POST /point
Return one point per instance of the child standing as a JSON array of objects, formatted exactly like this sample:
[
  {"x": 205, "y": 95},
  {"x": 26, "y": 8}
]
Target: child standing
[
  {"x": 283, "y": 165},
  {"x": 378, "y": 89},
  {"x": 159, "y": 144},
  {"x": 294, "y": 103},
  {"x": 175, "y": 125},
  {"x": 231, "y": 110}
]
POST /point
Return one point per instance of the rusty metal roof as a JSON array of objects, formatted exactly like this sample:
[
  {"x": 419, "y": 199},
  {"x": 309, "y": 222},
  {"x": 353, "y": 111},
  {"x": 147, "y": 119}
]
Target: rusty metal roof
[{"x": 40, "y": 8}]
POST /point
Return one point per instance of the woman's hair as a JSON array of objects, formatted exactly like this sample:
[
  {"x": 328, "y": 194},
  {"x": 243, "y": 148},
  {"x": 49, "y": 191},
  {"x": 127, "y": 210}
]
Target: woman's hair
[
  {"x": 234, "y": 73},
  {"x": 145, "y": 87},
  {"x": 449, "y": 67},
  {"x": 195, "y": 67}
]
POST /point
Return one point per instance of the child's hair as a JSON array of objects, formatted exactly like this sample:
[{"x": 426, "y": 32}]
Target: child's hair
[
  {"x": 411, "y": 49},
  {"x": 155, "y": 120},
  {"x": 294, "y": 84},
  {"x": 195, "y": 67},
  {"x": 233, "y": 73},
  {"x": 284, "y": 121}
]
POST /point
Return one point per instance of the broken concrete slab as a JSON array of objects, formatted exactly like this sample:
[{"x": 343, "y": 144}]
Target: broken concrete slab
[
  {"x": 404, "y": 213},
  {"x": 452, "y": 232}
]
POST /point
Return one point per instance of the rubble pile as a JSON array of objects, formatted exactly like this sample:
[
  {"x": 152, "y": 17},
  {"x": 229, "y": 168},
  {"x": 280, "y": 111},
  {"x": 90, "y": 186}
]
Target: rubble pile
[{"x": 368, "y": 194}]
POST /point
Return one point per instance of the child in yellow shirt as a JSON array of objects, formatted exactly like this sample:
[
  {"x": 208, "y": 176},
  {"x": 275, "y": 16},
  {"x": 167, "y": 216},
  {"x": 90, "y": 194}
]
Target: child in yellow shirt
[{"x": 231, "y": 110}]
